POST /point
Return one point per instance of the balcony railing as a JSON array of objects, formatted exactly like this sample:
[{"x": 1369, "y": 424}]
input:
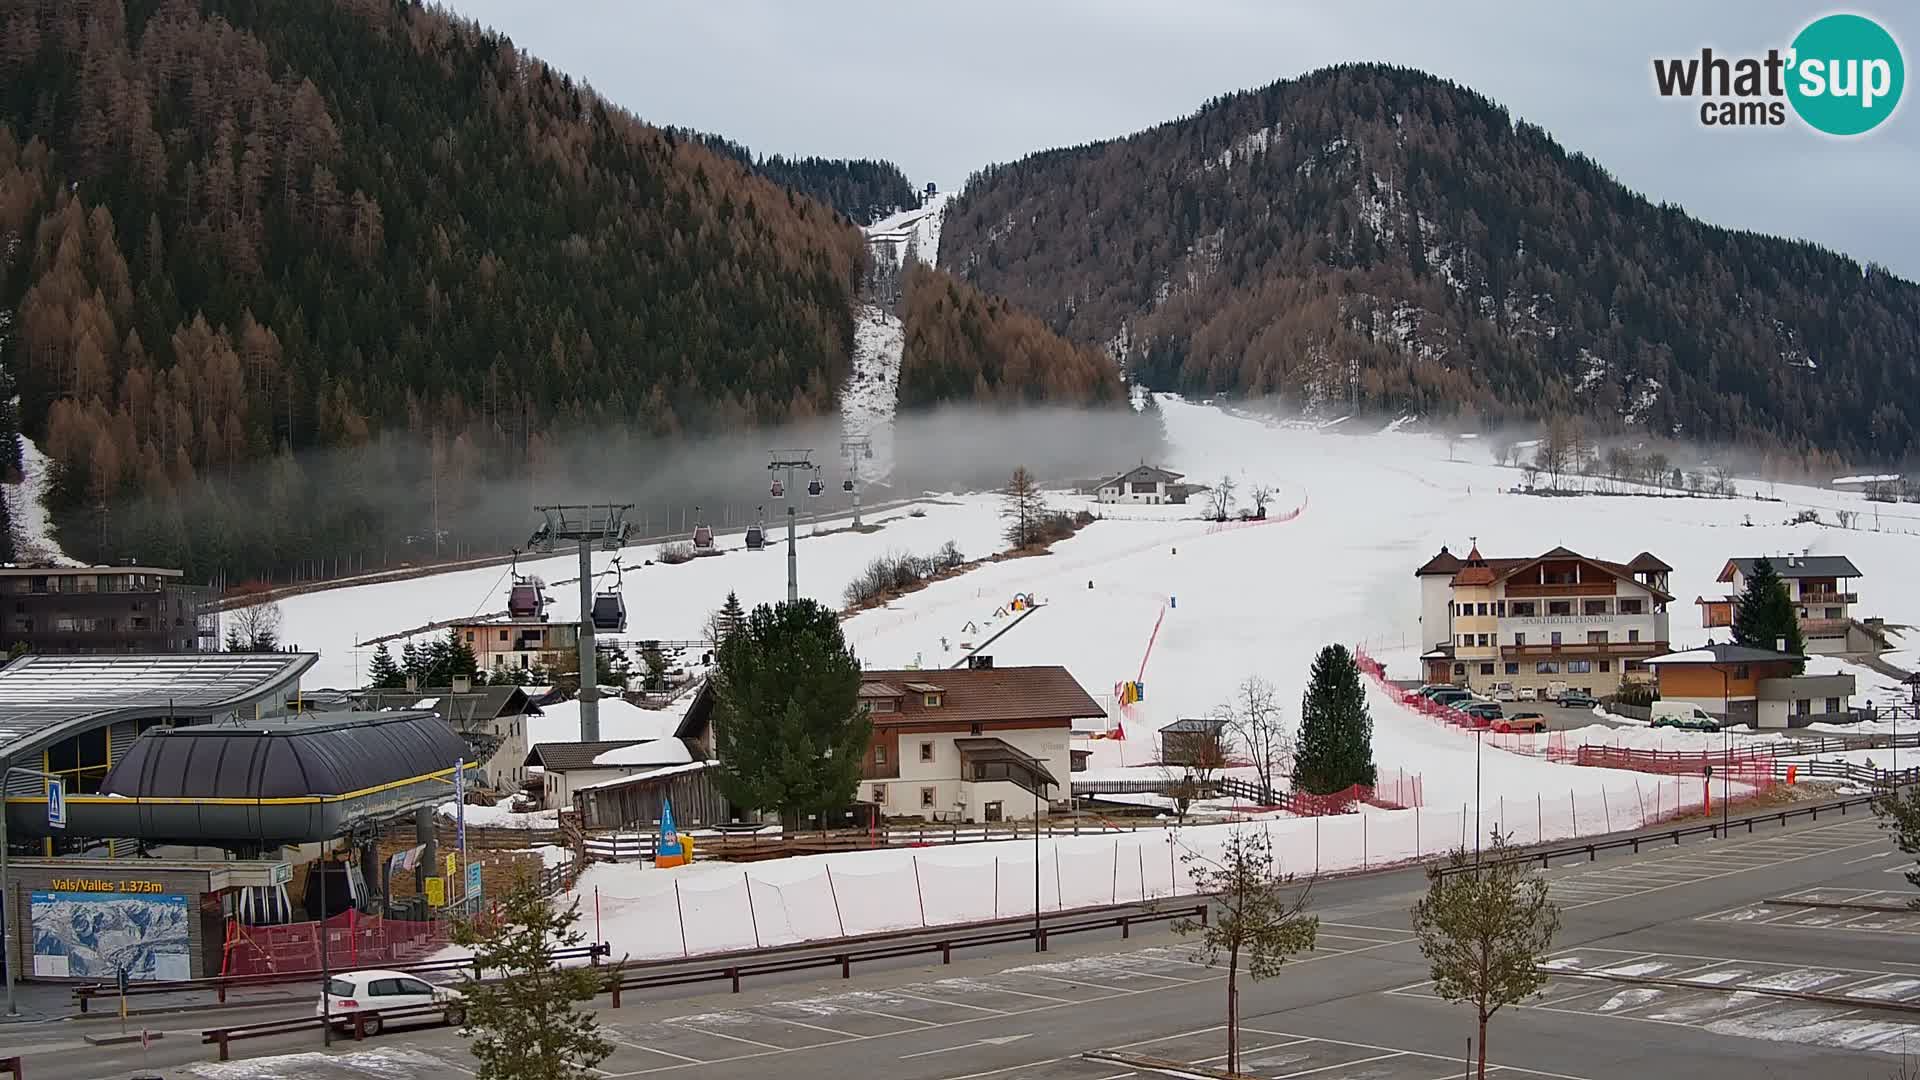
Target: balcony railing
[
  {"x": 1580, "y": 588},
  {"x": 1829, "y": 598},
  {"x": 1586, "y": 648}
]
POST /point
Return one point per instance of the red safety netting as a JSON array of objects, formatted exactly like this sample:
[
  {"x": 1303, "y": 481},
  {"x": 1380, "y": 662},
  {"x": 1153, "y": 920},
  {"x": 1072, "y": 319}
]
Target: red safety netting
[{"x": 352, "y": 940}]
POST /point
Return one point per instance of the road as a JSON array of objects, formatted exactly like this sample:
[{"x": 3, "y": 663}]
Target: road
[{"x": 1357, "y": 1007}]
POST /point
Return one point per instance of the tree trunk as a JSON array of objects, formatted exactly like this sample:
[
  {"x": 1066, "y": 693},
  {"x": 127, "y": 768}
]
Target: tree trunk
[
  {"x": 1483, "y": 1047},
  {"x": 1233, "y": 1010}
]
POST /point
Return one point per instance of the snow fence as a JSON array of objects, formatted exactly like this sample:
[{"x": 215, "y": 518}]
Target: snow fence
[{"x": 646, "y": 913}]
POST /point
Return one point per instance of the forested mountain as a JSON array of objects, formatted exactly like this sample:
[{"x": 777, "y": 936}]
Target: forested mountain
[
  {"x": 863, "y": 189},
  {"x": 235, "y": 232},
  {"x": 963, "y": 345},
  {"x": 1375, "y": 233}
]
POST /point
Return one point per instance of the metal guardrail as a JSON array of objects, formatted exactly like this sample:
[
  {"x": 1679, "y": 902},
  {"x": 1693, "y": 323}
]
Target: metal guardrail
[
  {"x": 220, "y": 984},
  {"x": 357, "y": 1021},
  {"x": 1592, "y": 849},
  {"x": 1005, "y": 932},
  {"x": 742, "y": 966}
]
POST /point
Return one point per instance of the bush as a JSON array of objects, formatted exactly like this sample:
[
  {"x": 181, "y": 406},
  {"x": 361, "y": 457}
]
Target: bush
[
  {"x": 1806, "y": 517},
  {"x": 1632, "y": 692},
  {"x": 896, "y": 572},
  {"x": 1058, "y": 525},
  {"x": 675, "y": 553}
]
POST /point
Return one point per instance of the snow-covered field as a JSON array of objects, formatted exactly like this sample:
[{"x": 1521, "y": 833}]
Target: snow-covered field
[{"x": 1190, "y": 609}]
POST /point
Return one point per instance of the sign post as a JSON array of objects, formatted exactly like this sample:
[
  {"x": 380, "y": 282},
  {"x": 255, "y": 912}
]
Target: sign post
[
  {"x": 56, "y": 803},
  {"x": 437, "y": 892},
  {"x": 473, "y": 881}
]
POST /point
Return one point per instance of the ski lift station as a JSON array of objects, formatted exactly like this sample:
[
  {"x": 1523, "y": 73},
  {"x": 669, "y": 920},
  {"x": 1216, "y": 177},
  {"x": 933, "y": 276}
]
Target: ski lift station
[{"x": 194, "y": 786}]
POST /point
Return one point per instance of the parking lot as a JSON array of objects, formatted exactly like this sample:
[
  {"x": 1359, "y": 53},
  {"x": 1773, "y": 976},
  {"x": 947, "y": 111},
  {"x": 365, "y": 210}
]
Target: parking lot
[
  {"x": 1581, "y": 884},
  {"x": 1723, "y": 995},
  {"x": 1839, "y": 909}
]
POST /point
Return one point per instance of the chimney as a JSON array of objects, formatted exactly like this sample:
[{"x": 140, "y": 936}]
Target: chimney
[
  {"x": 462, "y": 684},
  {"x": 980, "y": 663},
  {"x": 1779, "y": 644}
]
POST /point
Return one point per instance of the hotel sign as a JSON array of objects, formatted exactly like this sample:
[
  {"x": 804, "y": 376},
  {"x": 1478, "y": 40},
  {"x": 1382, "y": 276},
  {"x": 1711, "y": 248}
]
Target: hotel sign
[{"x": 1562, "y": 620}]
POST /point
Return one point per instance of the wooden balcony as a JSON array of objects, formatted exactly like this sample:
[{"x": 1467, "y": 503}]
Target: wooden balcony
[
  {"x": 1829, "y": 598},
  {"x": 1585, "y": 648},
  {"x": 1583, "y": 588}
]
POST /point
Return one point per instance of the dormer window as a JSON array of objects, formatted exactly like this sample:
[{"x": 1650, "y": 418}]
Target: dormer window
[
  {"x": 932, "y": 701},
  {"x": 930, "y": 695}
]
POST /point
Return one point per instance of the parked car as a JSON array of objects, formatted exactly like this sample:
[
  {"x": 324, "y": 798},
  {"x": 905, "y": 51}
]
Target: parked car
[
  {"x": 1483, "y": 710},
  {"x": 1520, "y": 721},
  {"x": 1505, "y": 692},
  {"x": 374, "y": 990},
  {"x": 1684, "y": 715},
  {"x": 1455, "y": 698},
  {"x": 1430, "y": 689},
  {"x": 1577, "y": 699}
]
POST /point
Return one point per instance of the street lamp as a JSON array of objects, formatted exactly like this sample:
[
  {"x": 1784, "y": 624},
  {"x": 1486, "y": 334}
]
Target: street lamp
[
  {"x": 6, "y": 884},
  {"x": 1479, "y": 740},
  {"x": 1039, "y": 789}
]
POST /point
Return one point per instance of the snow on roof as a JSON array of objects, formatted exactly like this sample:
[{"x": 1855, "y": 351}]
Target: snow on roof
[
  {"x": 650, "y": 774},
  {"x": 425, "y": 703},
  {"x": 1884, "y": 478},
  {"x": 667, "y": 751},
  {"x": 619, "y": 719}
]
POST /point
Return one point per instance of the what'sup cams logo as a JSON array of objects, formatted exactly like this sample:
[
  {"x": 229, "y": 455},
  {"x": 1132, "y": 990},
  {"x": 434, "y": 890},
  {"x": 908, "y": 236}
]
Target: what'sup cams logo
[{"x": 1842, "y": 75}]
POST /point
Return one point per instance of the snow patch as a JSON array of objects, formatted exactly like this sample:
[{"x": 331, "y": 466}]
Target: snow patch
[
  {"x": 1630, "y": 999},
  {"x": 33, "y": 540},
  {"x": 382, "y": 1064}
]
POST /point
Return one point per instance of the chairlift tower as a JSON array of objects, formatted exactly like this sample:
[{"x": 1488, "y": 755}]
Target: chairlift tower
[
  {"x": 604, "y": 524},
  {"x": 854, "y": 448},
  {"x": 782, "y": 467}
]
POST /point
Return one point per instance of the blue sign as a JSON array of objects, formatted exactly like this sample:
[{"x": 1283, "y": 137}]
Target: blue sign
[
  {"x": 669, "y": 836},
  {"x": 460, "y": 800},
  {"x": 473, "y": 880},
  {"x": 56, "y": 803}
]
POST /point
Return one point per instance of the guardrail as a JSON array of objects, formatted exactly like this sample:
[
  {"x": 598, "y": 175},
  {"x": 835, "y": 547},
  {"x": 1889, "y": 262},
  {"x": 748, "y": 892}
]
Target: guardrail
[
  {"x": 13, "y": 1067},
  {"x": 1007, "y": 931},
  {"x": 1592, "y": 849},
  {"x": 356, "y": 1021},
  {"x": 734, "y": 969},
  {"x": 220, "y": 984}
]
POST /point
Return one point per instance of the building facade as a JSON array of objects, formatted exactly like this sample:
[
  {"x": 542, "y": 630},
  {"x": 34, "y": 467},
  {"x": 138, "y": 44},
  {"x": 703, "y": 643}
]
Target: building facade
[
  {"x": 1742, "y": 685},
  {"x": 106, "y": 609},
  {"x": 1143, "y": 484},
  {"x": 492, "y": 720},
  {"x": 976, "y": 744},
  {"x": 525, "y": 644},
  {"x": 1560, "y": 620},
  {"x": 1822, "y": 590}
]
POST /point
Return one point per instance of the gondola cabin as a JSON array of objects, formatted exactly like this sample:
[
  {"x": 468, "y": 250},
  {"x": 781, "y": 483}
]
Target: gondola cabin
[
  {"x": 847, "y": 484},
  {"x": 815, "y": 487},
  {"x": 609, "y": 612},
  {"x": 527, "y": 599},
  {"x": 779, "y": 489},
  {"x": 756, "y": 538},
  {"x": 703, "y": 538}
]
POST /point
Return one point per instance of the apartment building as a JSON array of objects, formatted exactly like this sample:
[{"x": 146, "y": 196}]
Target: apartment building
[
  {"x": 974, "y": 744},
  {"x": 1541, "y": 622},
  {"x": 1822, "y": 590},
  {"x": 106, "y": 609},
  {"x": 503, "y": 643}
]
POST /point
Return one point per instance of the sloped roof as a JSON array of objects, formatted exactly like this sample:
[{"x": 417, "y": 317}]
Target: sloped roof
[
  {"x": 1200, "y": 725},
  {"x": 1800, "y": 566},
  {"x": 482, "y": 702},
  {"x": 1724, "y": 654},
  {"x": 44, "y": 698},
  {"x": 988, "y": 748},
  {"x": 1444, "y": 563},
  {"x": 1143, "y": 472},
  {"x": 977, "y": 695},
  {"x": 1648, "y": 561},
  {"x": 562, "y": 756},
  {"x": 1501, "y": 569}
]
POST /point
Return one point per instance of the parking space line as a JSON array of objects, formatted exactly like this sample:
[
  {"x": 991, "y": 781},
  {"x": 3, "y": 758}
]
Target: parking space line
[
  {"x": 958, "y": 1004},
  {"x": 904, "y": 1019},
  {"x": 1052, "y": 978},
  {"x": 735, "y": 1038},
  {"x": 629, "y": 1043},
  {"x": 1406, "y": 1053},
  {"x": 816, "y": 1027},
  {"x": 1342, "y": 1065}
]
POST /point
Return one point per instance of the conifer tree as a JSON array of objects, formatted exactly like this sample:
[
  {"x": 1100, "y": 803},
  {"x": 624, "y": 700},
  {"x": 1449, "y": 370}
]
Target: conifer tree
[
  {"x": 528, "y": 1025},
  {"x": 1764, "y": 615},
  {"x": 383, "y": 673},
  {"x": 1336, "y": 732},
  {"x": 786, "y": 712},
  {"x": 413, "y": 663}
]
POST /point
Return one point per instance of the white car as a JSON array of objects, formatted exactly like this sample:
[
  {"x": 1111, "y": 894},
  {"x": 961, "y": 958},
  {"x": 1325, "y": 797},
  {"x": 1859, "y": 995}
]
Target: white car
[{"x": 374, "y": 990}]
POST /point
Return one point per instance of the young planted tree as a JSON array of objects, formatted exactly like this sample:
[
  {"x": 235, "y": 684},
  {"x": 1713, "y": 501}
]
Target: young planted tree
[
  {"x": 655, "y": 664},
  {"x": 1335, "y": 750},
  {"x": 787, "y": 718},
  {"x": 527, "y": 1025},
  {"x": 1764, "y": 615},
  {"x": 1899, "y": 814},
  {"x": 1023, "y": 508},
  {"x": 1258, "y": 724},
  {"x": 1261, "y": 494},
  {"x": 1255, "y": 920},
  {"x": 1220, "y": 496},
  {"x": 383, "y": 673},
  {"x": 1484, "y": 928},
  {"x": 726, "y": 619}
]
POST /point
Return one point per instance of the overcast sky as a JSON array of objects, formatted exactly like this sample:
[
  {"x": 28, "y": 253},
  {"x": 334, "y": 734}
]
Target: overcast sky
[{"x": 943, "y": 89}]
